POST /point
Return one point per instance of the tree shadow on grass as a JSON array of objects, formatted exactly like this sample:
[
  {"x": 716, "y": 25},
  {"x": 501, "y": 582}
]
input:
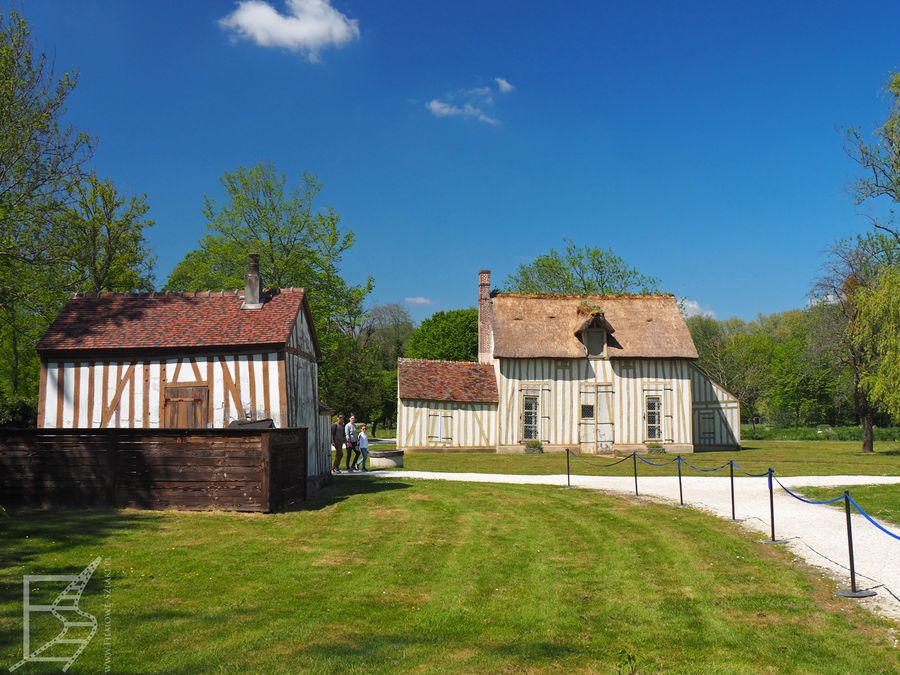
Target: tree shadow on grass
[{"x": 342, "y": 489}]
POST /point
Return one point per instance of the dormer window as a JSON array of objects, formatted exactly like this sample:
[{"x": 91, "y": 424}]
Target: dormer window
[
  {"x": 595, "y": 341},
  {"x": 593, "y": 332}
]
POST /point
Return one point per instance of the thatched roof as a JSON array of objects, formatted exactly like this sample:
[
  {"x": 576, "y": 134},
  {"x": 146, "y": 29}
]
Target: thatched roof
[
  {"x": 535, "y": 326},
  {"x": 426, "y": 380}
]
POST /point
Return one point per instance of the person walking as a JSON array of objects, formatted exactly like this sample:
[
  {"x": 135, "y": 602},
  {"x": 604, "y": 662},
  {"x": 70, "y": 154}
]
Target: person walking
[
  {"x": 362, "y": 443},
  {"x": 350, "y": 435},
  {"x": 338, "y": 439}
]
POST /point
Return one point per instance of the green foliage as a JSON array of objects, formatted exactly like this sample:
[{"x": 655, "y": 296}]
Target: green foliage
[
  {"x": 579, "y": 270},
  {"x": 880, "y": 159},
  {"x": 299, "y": 246},
  {"x": 61, "y": 231},
  {"x": 447, "y": 336},
  {"x": 818, "y": 433},
  {"x": 534, "y": 446},
  {"x": 877, "y": 334}
]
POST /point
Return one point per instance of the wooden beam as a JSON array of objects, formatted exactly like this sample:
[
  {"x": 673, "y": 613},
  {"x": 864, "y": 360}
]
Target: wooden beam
[
  {"x": 266, "y": 396},
  {"x": 196, "y": 369},
  {"x": 251, "y": 369},
  {"x": 162, "y": 393},
  {"x": 42, "y": 394},
  {"x": 131, "y": 400},
  {"x": 302, "y": 354},
  {"x": 76, "y": 395},
  {"x": 210, "y": 410},
  {"x": 90, "y": 394},
  {"x": 120, "y": 388},
  {"x": 145, "y": 403},
  {"x": 282, "y": 390},
  {"x": 60, "y": 382},
  {"x": 230, "y": 387}
]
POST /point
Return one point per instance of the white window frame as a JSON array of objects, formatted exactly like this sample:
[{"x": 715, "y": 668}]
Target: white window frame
[{"x": 658, "y": 396}]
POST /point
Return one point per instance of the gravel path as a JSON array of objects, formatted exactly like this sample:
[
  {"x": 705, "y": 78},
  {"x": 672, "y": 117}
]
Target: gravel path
[{"x": 817, "y": 534}]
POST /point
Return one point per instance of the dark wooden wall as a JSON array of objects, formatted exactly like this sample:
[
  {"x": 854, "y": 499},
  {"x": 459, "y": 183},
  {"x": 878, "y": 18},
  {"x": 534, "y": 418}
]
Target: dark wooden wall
[{"x": 242, "y": 470}]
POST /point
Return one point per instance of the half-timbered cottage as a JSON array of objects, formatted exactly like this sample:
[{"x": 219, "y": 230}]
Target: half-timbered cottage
[
  {"x": 584, "y": 372},
  {"x": 182, "y": 360}
]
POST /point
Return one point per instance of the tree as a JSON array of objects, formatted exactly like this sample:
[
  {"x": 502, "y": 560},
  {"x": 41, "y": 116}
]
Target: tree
[
  {"x": 107, "y": 248},
  {"x": 299, "y": 246},
  {"x": 853, "y": 267},
  {"x": 877, "y": 336},
  {"x": 880, "y": 160},
  {"x": 447, "y": 336},
  {"x": 39, "y": 157},
  {"x": 580, "y": 271},
  {"x": 388, "y": 331}
]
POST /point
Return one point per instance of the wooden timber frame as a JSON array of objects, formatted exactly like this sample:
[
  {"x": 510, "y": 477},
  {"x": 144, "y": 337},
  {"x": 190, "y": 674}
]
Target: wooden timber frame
[{"x": 196, "y": 469}]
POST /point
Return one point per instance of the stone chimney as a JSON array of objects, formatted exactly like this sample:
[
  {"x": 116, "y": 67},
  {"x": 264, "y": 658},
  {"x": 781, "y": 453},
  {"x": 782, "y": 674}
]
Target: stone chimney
[
  {"x": 485, "y": 318},
  {"x": 252, "y": 290}
]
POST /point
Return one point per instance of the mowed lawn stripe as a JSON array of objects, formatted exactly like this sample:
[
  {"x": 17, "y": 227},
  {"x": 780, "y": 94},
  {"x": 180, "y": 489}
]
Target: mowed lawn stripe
[{"x": 404, "y": 575}]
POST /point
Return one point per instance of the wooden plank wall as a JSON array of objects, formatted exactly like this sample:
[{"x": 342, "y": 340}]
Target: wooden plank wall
[
  {"x": 224, "y": 469},
  {"x": 465, "y": 425},
  {"x": 563, "y": 379},
  {"x": 711, "y": 399},
  {"x": 129, "y": 394}
]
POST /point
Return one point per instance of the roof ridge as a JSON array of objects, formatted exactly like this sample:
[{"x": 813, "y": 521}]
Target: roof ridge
[
  {"x": 182, "y": 294},
  {"x": 403, "y": 359},
  {"x": 575, "y": 296}
]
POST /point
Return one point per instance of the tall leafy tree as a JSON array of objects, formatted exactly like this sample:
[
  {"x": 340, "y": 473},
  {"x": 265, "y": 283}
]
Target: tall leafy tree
[
  {"x": 579, "y": 270},
  {"x": 106, "y": 245},
  {"x": 880, "y": 161},
  {"x": 447, "y": 336},
  {"x": 40, "y": 156},
  {"x": 877, "y": 335},
  {"x": 299, "y": 246},
  {"x": 852, "y": 268}
]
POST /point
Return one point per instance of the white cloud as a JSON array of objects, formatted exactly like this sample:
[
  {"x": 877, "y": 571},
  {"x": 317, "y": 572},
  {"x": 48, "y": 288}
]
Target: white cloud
[
  {"x": 471, "y": 103},
  {"x": 440, "y": 108},
  {"x": 694, "y": 308},
  {"x": 308, "y": 26},
  {"x": 418, "y": 300},
  {"x": 503, "y": 85}
]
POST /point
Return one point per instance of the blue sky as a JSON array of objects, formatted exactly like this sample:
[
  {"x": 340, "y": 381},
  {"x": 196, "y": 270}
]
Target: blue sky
[{"x": 699, "y": 140}]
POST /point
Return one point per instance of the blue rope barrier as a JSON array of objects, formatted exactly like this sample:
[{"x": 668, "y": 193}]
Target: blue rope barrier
[
  {"x": 808, "y": 501},
  {"x": 752, "y": 475},
  {"x": 601, "y": 466},
  {"x": 645, "y": 461},
  {"x": 870, "y": 519},
  {"x": 697, "y": 468}
]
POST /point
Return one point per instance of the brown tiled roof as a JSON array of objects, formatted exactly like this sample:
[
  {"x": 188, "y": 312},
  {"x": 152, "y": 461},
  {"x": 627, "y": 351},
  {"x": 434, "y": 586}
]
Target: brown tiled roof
[
  {"x": 534, "y": 326},
  {"x": 151, "y": 321},
  {"x": 446, "y": 381}
]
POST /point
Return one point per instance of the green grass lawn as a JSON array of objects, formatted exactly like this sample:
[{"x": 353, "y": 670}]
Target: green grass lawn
[
  {"x": 391, "y": 574},
  {"x": 788, "y": 458},
  {"x": 879, "y": 501}
]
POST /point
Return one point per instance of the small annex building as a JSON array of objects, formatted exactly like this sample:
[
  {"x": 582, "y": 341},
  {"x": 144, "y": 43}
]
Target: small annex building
[
  {"x": 182, "y": 361},
  {"x": 592, "y": 373}
]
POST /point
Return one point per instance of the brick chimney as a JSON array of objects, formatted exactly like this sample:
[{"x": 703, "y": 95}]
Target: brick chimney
[
  {"x": 485, "y": 318},
  {"x": 252, "y": 291}
]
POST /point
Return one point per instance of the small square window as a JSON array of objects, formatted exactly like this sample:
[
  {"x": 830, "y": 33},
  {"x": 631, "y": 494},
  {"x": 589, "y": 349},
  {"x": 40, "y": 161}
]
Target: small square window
[{"x": 587, "y": 412}]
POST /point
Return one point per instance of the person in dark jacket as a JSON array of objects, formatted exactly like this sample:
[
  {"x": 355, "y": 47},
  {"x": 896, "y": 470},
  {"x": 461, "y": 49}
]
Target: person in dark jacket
[
  {"x": 338, "y": 440},
  {"x": 350, "y": 436}
]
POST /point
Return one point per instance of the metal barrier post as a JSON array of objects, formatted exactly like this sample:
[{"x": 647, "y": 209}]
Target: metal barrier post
[
  {"x": 680, "y": 493},
  {"x": 731, "y": 472},
  {"x": 568, "y": 471},
  {"x": 854, "y": 592},
  {"x": 634, "y": 461},
  {"x": 773, "y": 540}
]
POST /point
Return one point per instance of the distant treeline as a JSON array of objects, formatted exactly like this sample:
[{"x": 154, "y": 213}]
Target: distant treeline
[
  {"x": 820, "y": 433},
  {"x": 787, "y": 369}
]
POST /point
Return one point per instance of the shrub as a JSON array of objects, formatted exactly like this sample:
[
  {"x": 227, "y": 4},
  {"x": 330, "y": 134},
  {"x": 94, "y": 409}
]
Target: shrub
[
  {"x": 534, "y": 447},
  {"x": 655, "y": 448}
]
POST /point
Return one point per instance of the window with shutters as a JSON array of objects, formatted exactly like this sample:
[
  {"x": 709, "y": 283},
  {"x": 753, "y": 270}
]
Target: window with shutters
[
  {"x": 654, "y": 418},
  {"x": 186, "y": 407}
]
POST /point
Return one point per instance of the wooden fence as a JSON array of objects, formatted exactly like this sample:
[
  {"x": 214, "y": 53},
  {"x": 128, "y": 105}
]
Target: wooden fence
[{"x": 243, "y": 470}]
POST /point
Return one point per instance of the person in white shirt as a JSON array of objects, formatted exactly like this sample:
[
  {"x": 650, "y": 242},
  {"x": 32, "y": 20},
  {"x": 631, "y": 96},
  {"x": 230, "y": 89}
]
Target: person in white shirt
[
  {"x": 362, "y": 443},
  {"x": 350, "y": 434}
]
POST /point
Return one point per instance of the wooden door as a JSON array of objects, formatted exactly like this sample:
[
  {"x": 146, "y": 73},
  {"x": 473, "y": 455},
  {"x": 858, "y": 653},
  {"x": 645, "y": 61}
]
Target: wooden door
[
  {"x": 186, "y": 407},
  {"x": 588, "y": 425}
]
